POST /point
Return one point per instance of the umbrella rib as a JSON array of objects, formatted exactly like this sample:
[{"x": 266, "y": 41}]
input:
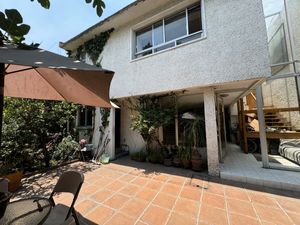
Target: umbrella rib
[
  {"x": 17, "y": 71},
  {"x": 51, "y": 85}
]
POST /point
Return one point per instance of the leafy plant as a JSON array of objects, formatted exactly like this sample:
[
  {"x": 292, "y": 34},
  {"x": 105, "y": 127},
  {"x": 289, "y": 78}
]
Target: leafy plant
[
  {"x": 155, "y": 156},
  {"x": 27, "y": 124},
  {"x": 138, "y": 156},
  {"x": 66, "y": 149},
  {"x": 194, "y": 131},
  {"x": 150, "y": 115},
  {"x": 94, "y": 47},
  {"x": 185, "y": 153}
]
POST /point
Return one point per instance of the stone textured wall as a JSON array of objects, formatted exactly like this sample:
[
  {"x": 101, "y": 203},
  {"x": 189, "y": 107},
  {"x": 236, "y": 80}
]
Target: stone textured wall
[{"x": 235, "y": 49}]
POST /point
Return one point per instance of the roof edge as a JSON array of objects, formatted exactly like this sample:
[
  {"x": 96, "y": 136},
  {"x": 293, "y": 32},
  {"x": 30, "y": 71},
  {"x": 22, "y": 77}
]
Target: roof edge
[{"x": 65, "y": 44}]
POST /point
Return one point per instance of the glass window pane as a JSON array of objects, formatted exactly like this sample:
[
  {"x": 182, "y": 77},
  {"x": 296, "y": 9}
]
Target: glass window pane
[
  {"x": 175, "y": 26},
  {"x": 89, "y": 121},
  {"x": 144, "y": 39},
  {"x": 82, "y": 117},
  {"x": 158, "y": 33},
  {"x": 169, "y": 45},
  {"x": 189, "y": 38},
  {"x": 194, "y": 18}
]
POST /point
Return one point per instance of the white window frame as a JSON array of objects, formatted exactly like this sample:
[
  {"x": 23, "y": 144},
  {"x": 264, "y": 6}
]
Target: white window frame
[
  {"x": 161, "y": 16},
  {"x": 85, "y": 126}
]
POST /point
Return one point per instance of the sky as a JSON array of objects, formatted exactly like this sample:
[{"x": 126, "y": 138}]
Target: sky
[{"x": 64, "y": 19}]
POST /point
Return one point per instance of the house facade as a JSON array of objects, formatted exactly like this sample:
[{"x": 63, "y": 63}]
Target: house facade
[{"x": 209, "y": 53}]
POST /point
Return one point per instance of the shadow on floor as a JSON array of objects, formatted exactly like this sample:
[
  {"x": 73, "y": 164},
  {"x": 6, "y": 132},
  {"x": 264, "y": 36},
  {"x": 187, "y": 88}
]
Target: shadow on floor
[{"x": 41, "y": 184}]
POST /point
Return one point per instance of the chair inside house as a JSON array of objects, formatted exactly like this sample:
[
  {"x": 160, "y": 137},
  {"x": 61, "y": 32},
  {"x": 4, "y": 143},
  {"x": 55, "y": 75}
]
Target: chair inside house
[{"x": 68, "y": 182}]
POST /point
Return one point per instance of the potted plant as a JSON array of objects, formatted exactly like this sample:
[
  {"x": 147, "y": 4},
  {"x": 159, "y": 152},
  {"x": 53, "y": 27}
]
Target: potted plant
[
  {"x": 138, "y": 156},
  {"x": 167, "y": 154},
  {"x": 176, "y": 158},
  {"x": 13, "y": 172},
  {"x": 194, "y": 135},
  {"x": 185, "y": 156}
]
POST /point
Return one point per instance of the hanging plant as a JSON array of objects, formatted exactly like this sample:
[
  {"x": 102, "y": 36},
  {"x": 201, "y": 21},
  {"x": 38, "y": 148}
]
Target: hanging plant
[{"x": 94, "y": 47}]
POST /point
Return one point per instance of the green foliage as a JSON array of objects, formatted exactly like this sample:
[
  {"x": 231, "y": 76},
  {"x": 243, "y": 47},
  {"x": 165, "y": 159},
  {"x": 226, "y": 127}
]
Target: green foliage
[
  {"x": 150, "y": 116},
  {"x": 194, "y": 132},
  {"x": 138, "y": 156},
  {"x": 94, "y": 47},
  {"x": 105, "y": 113},
  {"x": 98, "y": 4},
  {"x": 185, "y": 153},
  {"x": 155, "y": 156},
  {"x": 66, "y": 149},
  {"x": 44, "y": 3},
  {"x": 27, "y": 124},
  {"x": 11, "y": 22}
]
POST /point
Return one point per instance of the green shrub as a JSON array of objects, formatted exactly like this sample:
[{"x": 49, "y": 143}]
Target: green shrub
[
  {"x": 138, "y": 156},
  {"x": 66, "y": 149}
]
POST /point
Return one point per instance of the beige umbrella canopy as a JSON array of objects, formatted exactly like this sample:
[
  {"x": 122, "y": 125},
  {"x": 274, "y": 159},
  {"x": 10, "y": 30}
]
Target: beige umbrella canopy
[{"x": 39, "y": 74}]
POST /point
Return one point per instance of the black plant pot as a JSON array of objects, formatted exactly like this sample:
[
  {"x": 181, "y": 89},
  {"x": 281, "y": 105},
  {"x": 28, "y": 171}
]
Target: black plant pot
[{"x": 4, "y": 200}]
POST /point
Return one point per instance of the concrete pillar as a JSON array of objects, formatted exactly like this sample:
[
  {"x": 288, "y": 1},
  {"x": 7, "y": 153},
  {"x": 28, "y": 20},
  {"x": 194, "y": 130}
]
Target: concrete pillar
[
  {"x": 112, "y": 128},
  {"x": 262, "y": 127},
  {"x": 211, "y": 132}
]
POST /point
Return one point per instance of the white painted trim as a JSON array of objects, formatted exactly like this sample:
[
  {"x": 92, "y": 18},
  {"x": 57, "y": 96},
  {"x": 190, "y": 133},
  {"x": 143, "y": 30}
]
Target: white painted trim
[{"x": 161, "y": 16}]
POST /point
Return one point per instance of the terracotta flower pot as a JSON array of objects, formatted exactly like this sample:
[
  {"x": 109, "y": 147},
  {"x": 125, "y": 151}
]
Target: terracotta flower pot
[
  {"x": 196, "y": 160},
  {"x": 185, "y": 163},
  {"x": 14, "y": 180}
]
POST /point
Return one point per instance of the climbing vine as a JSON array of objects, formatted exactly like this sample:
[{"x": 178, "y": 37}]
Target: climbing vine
[
  {"x": 94, "y": 47},
  {"x": 105, "y": 113}
]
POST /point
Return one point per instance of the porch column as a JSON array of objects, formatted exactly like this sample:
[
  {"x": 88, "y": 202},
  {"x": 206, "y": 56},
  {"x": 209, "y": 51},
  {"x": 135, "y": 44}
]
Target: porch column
[
  {"x": 262, "y": 127},
  {"x": 211, "y": 132},
  {"x": 112, "y": 123}
]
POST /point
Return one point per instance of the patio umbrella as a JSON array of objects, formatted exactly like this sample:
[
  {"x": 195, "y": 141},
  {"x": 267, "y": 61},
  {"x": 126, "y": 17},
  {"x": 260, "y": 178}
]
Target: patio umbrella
[{"x": 40, "y": 74}]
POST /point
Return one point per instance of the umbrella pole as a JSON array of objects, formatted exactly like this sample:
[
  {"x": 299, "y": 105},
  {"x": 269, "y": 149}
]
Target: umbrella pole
[{"x": 2, "y": 74}]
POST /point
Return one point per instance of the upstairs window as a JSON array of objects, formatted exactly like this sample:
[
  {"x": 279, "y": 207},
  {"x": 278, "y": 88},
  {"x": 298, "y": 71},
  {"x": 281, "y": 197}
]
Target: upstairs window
[{"x": 171, "y": 31}]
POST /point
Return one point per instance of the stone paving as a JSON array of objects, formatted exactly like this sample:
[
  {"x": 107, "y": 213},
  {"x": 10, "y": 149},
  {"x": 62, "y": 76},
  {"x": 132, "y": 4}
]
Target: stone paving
[{"x": 126, "y": 192}]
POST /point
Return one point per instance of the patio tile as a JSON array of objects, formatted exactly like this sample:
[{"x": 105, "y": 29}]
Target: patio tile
[
  {"x": 133, "y": 208},
  {"x": 171, "y": 189},
  {"x": 273, "y": 215},
  {"x": 294, "y": 217},
  {"x": 213, "y": 200},
  {"x": 154, "y": 185},
  {"x": 85, "y": 206},
  {"x": 102, "y": 195},
  {"x": 127, "y": 178},
  {"x": 190, "y": 192},
  {"x": 165, "y": 201},
  {"x": 100, "y": 215},
  {"x": 120, "y": 219},
  {"x": 236, "y": 193},
  {"x": 240, "y": 207},
  {"x": 103, "y": 181},
  {"x": 178, "y": 180},
  {"x": 116, "y": 201},
  {"x": 211, "y": 215},
  {"x": 161, "y": 177},
  {"x": 146, "y": 194},
  {"x": 240, "y": 219},
  {"x": 130, "y": 190},
  {"x": 263, "y": 199},
  {"x": 289, "y": 205},
  {"x": 139, "y": 181},
  {"x": 214, "y": 188},
  {"x": 116, "y": 185},
  {"x": 187, "y": 207},
  {"x": 155, "y": 215},
  {"x": 177, "y": 219},
  {"x": 89, "y": 190}
]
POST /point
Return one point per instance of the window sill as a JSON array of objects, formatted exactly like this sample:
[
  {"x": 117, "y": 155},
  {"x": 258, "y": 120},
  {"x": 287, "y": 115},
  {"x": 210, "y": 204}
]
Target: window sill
[
  {"x": 169, "y": 49},
  {"x": 84, "y": 128}
]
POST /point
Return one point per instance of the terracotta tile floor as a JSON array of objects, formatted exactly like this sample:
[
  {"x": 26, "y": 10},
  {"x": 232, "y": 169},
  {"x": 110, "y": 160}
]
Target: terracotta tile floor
[{"x": 126, "y": 192}]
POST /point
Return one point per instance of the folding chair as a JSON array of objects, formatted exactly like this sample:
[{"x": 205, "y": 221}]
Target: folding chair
[
  {"x": 68, "y": 182},
  {"x": 3, "y": 185}
]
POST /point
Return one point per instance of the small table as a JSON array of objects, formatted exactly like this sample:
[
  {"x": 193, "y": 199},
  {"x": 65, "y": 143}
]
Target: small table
[{"x": 33, "y": 211}]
